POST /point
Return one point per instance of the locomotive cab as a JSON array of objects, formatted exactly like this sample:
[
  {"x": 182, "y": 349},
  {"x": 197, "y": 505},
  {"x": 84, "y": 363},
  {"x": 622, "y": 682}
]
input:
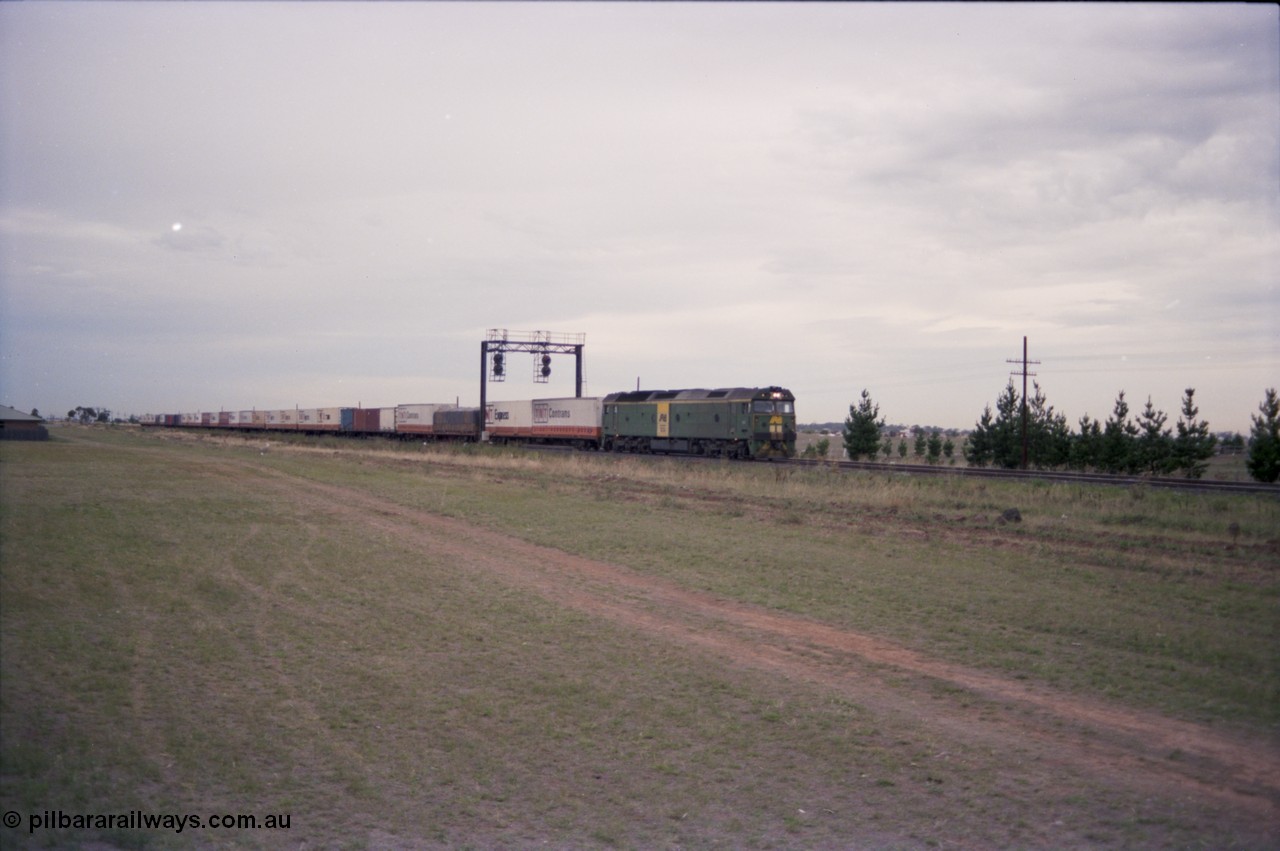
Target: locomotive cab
[{"x": 773, "y": 423}]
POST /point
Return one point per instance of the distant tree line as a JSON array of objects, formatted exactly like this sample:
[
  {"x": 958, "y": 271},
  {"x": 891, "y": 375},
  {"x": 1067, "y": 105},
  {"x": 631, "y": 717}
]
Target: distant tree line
[
  {"x": 1145, "y": 444},
  {"x": 86, "y": 415}
]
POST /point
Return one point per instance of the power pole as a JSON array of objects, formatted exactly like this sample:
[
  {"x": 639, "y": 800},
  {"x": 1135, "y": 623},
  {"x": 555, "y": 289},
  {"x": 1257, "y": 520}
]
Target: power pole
[{"x": 1024, "y": 363}]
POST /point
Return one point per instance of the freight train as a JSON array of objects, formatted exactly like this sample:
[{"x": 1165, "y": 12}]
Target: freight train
[{"x": 734, "y": 422}]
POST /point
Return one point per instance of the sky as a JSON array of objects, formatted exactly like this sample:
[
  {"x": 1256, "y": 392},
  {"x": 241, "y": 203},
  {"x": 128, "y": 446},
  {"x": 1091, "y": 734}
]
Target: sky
[{"x": 223, "y": 206}]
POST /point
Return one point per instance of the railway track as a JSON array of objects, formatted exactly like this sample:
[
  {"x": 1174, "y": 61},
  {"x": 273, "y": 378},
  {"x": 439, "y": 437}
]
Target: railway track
[{"x": 1200, "y": 485}]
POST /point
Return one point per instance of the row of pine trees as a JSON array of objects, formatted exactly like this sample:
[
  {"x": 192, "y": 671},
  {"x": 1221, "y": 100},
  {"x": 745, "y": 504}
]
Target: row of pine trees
[{"x": 1122, "y": 444}]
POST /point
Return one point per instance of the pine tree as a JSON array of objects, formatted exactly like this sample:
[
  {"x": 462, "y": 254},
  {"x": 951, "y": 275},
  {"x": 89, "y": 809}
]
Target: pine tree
[
  {"x": 1006, "y": 433},
  {"x": 1154, "y": 447},
  {"x": 1086, "y": 447},
  {"x": 934, "y": 447},
  {"x": 1048, "y": 437},
  {"x": 1263, "y": 462},
  {"x": 977, "y": 450},
  {"x": 862, "y": 429},
  {"x": 1119, "y": 435},
  {"x": 1194, "y": 445}
]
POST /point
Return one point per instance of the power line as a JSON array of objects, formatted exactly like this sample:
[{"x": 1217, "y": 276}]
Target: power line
[{"x": 1024, "y": 363}]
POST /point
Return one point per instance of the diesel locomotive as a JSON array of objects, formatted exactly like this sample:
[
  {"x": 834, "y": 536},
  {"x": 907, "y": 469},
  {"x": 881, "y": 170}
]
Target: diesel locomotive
[{"x": 739, "y": 422}]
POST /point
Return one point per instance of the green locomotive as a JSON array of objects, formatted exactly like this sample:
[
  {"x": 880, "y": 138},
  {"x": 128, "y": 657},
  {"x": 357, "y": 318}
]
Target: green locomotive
[{"x": 736, "y": 422}]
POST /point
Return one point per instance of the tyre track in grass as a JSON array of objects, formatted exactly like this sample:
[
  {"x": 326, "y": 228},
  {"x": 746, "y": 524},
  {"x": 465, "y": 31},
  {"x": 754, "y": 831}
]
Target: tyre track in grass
[{"x": 1174, "y": 766}]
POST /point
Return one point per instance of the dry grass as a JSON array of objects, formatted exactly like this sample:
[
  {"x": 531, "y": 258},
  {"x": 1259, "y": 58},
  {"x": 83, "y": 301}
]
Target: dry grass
[{"x": 177, "y": 636}]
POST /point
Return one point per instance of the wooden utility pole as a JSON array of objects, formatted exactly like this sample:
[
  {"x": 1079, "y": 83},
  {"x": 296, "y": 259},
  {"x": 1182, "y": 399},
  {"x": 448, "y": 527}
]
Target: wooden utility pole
[{"x": 1024, "y": 363}]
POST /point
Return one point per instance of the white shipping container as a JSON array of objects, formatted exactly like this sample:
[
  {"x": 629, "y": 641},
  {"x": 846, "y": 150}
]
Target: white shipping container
[
  {"x": 508, "y": 419},
  {"x": 330, "y": 419},
  {"x": 387, "y": 419},
  {"x": 416, "y": 418},
  {"x": 567, "y": 418}
]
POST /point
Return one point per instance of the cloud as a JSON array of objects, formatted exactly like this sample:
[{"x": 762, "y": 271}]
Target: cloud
[{"x": 830, "y": 195}]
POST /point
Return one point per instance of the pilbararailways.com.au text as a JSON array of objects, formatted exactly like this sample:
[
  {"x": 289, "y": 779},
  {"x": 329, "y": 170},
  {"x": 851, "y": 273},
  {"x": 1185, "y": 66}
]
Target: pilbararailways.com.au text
[{"x": 139, "y": 820}]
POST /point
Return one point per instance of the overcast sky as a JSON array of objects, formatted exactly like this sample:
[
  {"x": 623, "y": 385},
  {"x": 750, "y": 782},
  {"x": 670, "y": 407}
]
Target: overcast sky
[{"x": 211, "y": 206}]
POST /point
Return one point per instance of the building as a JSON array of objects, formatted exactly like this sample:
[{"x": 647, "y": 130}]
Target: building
[{"x": 15, "y": 425}]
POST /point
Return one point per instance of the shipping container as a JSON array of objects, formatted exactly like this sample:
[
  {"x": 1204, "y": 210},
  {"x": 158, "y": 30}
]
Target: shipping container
[
  {"x": 320, "y": 419},
  {"x": 362, "y": 420},
  {"x": 508, "y": 420},
  {"x": 572, "y": 420},
  {"x": 457, "y": 423},
  {"x": 387, "y": 420},
  {"x": 417, "y": 418},
  {"x": 569, "y": 421},
  {"x": 329, "y": 419}
]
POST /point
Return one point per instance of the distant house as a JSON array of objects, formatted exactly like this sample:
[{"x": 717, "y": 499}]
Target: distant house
[{"x": 15, "y": 425}]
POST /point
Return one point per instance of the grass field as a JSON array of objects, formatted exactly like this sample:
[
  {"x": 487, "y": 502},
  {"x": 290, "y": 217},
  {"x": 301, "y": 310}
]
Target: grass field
[{"x": 403, "y": 648}]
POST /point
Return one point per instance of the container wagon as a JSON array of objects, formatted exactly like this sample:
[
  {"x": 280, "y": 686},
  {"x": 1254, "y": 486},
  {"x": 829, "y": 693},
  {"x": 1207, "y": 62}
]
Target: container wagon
[{"x": 417, "y": 419}]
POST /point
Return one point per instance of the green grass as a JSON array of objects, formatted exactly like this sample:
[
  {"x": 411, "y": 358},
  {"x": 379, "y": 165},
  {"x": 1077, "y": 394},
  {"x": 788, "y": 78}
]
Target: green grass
[
  {"x": 175, "y": 638},
  {"x": 1166, "y": 613}
]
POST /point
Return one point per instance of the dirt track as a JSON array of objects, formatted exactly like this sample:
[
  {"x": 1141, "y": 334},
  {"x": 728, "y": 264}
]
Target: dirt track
[{"x": 1146, "y": 754}]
